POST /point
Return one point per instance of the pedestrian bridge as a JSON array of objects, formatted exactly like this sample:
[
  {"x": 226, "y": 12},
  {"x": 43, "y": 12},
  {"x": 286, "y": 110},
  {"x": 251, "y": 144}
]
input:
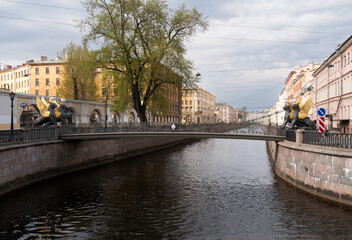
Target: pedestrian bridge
[{"x": 111, "y": 135}]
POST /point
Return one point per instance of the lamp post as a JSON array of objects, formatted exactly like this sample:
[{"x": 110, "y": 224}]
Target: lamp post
[{"x": 12, "y": 97}]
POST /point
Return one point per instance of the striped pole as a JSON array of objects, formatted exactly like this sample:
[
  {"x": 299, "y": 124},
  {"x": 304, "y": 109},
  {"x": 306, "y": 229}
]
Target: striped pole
[{"x": 321, "y": 126}]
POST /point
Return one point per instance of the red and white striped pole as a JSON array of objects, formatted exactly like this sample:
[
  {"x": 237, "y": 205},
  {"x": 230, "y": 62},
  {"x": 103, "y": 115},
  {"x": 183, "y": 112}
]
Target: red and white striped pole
[
  {"x": 321, "y": 126},
  {"x": 321, "y": 113}
]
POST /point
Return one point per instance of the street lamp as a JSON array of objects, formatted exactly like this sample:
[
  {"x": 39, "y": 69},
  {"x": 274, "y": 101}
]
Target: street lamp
[{"x": 12, "y": 97}]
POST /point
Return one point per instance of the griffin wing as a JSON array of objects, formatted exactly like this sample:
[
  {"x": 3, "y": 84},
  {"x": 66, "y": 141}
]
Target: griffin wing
[
  {"x": 41, "y": 106},
  {"x": 57, "y": 113},
  {"x": 306, "y": 106}
]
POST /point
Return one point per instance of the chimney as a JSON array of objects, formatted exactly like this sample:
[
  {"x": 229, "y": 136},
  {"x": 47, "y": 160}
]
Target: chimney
[
  {"x": 43, "y": 58},
  {"x": 30, "y": 61},
  {"x": 8, "y": 67}
]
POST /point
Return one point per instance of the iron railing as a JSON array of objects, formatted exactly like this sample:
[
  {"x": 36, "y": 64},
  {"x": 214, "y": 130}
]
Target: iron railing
[
  {"x": 290, "y": 135},
  {"x": 43, "y": 133},
  {"x": 329, "y": 139},
  {"x": 10, "y": 136},
  {"x": 337, "y": 140},
  {"x": 36, "y": 134}
]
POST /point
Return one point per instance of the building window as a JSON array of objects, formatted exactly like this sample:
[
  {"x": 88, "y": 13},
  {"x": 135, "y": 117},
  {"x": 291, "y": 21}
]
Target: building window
[
  {"x": 190, "y": 109},
  {"x": 186, "y": 109},
  {"x": 57, "y": 81},
  {"x": 47, "y": 82},
  {"x": 190, "y": 102},
  {"x": 37, "y": 70},
  {"x": 186, "y": 102},
  {"x": 47, "y": 70},
  {"x": 37, "y": 81},
  {"x": 47, "y": 93},
  {"x": 57, "y": 70},
  {"x": 36, "y": 92}
]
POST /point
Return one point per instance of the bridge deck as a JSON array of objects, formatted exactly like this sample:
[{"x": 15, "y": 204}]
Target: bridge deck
[{"x": 109, "y": 135}]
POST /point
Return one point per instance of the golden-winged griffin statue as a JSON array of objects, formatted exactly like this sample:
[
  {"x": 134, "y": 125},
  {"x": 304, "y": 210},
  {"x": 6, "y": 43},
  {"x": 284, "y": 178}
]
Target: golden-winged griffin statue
[
  {"x": 51, "y": 112},
  {"x": 296, "y": 113}
]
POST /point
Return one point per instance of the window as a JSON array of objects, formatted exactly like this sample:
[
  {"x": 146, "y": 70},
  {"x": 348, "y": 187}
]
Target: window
[
  {"x": 47, "y": 70},
  {"x": 57, "y": 70},
  {"x": 186, "y": 109},
  {"x": 37, "y": 70},
  {"x": 190, "y": 102},
  {"x": 186, "y": 102},
  {"x": 47, "y": 82},
  {"x": 36, "y": 92},
  {"x": 47, "y": 93},
  {"x": 348, "y": 58},
  {"x": 37, "y": 81},
  {"x": 57, "y": 81},
  {"x": 190, "y": 109}
]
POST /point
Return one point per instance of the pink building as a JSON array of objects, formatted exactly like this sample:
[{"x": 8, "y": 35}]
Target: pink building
[
  {"x": 333, "y": 85},
  {"x": 228, "y": 113}
]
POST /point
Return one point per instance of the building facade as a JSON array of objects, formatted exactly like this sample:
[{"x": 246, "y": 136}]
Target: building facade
[
  {"x": 228, "y": 113},
  {"x": 41, "y": 77},
  {"x": 198, "y": 106},
  {"x": 333, "y": 83}
]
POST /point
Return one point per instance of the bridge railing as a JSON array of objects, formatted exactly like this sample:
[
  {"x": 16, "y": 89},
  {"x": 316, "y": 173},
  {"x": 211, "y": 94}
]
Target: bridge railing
[
  {"x": 37, "y": 134},
  {"x": 151, "y": 128}
]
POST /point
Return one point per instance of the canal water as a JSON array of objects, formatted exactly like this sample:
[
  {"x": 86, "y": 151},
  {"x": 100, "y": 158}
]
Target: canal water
[{"x": 209, "y": 189}]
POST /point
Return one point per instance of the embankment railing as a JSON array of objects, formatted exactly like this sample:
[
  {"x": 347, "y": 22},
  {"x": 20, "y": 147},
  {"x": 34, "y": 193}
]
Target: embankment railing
[{"x": 329, "y": 139}]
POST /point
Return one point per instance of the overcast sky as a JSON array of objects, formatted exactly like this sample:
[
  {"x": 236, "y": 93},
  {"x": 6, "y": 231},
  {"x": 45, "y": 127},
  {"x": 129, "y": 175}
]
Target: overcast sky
[{"x": 243, "y": 58}]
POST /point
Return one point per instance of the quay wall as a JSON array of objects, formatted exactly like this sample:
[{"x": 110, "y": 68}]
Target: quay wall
[
  {"x": 323, "y": 171},
  {"x": 25, "y": 163}
]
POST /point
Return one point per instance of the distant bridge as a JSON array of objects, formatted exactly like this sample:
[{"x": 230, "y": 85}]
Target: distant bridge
[{"x": 110, "y": 135}]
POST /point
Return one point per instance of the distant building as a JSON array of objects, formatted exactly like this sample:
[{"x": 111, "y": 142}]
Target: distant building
[
  {"x": 228, "y": 113},
  {"x": 198, "y": 106},
  {"x": 261, "y": 117},
  {"x": 41, "y": 77}
]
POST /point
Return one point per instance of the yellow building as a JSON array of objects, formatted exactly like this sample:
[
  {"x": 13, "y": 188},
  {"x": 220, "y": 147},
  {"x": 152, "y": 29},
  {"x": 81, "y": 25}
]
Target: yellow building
[
  {"x": 198, "y": 106},
  {"x": 41, "y": 77}
]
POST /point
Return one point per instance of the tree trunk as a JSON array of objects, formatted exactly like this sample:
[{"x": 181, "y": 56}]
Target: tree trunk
[
  {"x": 75, "y": 88},
  {"x": 140, "y": 109}
]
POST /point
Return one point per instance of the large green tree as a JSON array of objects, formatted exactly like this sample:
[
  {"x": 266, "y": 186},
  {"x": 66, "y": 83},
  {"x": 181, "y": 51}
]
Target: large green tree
[
  {"x": 79, "y": 73},
  {"x": 142, "y": 43}
]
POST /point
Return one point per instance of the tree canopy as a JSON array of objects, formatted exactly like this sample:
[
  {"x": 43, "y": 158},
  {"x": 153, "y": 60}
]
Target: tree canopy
[
  {"x": 79, "y": 73},
  {"x": 142, "y": 43}
]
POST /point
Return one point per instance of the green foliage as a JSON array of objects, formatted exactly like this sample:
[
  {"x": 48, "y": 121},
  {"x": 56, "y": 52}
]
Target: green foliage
[
  {"x": 143, "y": 41},
  {"x": 79, "y": 73}
]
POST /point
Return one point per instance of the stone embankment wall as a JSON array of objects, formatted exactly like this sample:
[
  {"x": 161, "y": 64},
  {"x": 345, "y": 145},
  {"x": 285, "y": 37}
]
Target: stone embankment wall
[
  {"x": 25, "y": 163},
  {"x": 323, "y": 171}
]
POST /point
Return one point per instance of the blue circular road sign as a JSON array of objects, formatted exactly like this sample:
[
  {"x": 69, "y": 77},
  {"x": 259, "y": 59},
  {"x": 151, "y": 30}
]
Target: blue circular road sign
[{"x": 321, "y": 112}]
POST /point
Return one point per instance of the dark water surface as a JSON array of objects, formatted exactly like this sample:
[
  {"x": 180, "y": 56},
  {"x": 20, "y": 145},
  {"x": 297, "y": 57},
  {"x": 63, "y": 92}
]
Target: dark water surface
[{"x": 211, "y": 189}]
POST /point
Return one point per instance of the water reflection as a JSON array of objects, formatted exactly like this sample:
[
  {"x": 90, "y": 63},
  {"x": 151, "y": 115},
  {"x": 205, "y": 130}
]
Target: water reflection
[{"x": 211, "y": 189}]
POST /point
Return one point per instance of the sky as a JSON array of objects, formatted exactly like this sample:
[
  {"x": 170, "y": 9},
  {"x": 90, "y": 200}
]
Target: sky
[{"x": 244, "y": 57}]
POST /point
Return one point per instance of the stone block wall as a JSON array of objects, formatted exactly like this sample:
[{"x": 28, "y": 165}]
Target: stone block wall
[
  {"x": 323, "y": 171},
  {"x": 26, "y": 163}
]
